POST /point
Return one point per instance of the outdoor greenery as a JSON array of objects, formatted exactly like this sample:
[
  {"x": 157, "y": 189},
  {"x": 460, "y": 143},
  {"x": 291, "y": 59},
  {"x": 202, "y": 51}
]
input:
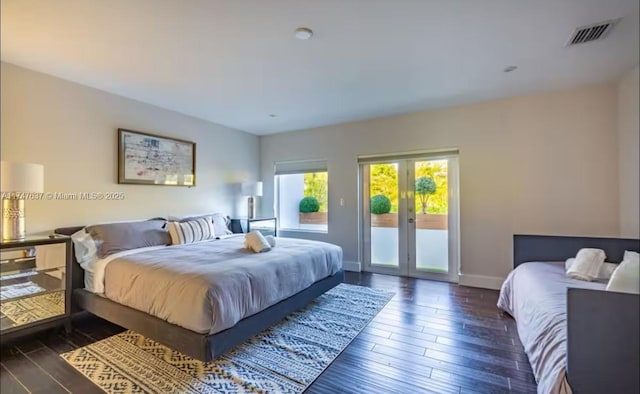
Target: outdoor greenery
[
  {"x": 380, "y": 204},
  {"x": 425, "y": 187},
  {"x": 384, "y": 180},
  {"x": 309, "y": 204},
  {"x": 316, "y": 185}
]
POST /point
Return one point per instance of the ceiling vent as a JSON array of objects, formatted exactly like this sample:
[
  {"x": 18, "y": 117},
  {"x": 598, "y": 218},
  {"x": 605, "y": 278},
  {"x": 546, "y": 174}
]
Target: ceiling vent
[{"x": 588, "y": 33}]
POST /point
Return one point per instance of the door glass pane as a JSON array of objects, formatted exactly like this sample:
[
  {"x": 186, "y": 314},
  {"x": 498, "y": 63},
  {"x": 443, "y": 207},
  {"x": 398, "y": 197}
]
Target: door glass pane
[
  {"x": 432, "y": 208},
  {"x": 383, "y": 191}
]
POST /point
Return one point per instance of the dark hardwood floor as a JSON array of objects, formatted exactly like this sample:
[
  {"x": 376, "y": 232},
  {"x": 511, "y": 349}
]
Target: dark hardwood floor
[{"x": 432, "y": 337}]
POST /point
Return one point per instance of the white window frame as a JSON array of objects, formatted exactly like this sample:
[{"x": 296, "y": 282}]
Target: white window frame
[{"x": 298, "y": 167}]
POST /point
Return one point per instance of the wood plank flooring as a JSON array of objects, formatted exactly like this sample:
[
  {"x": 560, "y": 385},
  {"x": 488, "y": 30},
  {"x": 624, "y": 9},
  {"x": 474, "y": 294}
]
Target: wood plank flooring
[{"x": 433, "y": 337}]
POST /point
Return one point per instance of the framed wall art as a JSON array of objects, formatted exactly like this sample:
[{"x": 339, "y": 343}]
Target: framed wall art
[{"x": 148, "y": 159}]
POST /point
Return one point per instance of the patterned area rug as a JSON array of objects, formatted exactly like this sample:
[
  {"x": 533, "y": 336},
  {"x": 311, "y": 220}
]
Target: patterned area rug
[
  {"x": 30, "y": 309},
  {"x": 286, "y": 358}
]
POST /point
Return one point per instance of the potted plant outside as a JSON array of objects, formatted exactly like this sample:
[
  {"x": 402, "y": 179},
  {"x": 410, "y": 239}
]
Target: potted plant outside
[
  {"x": 380, "y": 208},
  {"x": 425, "y": 187},
  {"x": 309, "y": 208}
]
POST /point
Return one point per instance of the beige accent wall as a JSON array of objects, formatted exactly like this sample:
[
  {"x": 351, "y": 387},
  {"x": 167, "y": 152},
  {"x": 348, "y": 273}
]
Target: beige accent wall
[
  {"x": 71, "y": 130},
  {"x": 628, "y": 142},
  {"x": 540, "y": 164}
]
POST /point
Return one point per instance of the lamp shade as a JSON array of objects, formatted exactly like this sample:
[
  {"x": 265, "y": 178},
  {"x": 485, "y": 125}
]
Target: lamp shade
[
  {"x": 252, "y": 189},
  {"x": 21, "y": 177}
]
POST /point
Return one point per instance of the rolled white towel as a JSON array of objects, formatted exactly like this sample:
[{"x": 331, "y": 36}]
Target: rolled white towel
[
  {"x": 587, "y": 264},
  {"x": 271, "y": 239},
  {"x": 256, "y": 242},
  {"x": 605, "y": 271}
]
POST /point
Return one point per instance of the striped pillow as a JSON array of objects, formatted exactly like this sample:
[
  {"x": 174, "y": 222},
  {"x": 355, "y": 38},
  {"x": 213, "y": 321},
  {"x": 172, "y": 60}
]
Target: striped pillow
[{"x": 191, "y": 231}]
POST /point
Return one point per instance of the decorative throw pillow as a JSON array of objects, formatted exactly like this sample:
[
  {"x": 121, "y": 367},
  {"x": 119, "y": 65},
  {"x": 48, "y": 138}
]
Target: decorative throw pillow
[
  {"x": 112, "y": 238},
  {"x": 220, "y": 222},
  {"x": 626, "y": 278},
  {"x": 191, "y": 231}
]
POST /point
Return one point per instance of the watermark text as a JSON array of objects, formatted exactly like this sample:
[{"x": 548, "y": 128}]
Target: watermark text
[{"x": 65, "y": 196}]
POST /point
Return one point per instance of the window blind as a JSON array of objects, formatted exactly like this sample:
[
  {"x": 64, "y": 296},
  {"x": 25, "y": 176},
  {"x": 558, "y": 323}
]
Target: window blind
[{"x": 299, "y": 167}]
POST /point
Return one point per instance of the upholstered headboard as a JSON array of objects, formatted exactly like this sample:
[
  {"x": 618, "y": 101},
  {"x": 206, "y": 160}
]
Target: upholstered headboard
[{"x": 559, "y": 248}]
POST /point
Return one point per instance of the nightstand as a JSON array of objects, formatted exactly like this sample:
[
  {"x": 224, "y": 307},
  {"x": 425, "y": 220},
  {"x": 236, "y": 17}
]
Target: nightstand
[
  {"x": 267, "y": 226},
  {"x": 35, "y": 285}
]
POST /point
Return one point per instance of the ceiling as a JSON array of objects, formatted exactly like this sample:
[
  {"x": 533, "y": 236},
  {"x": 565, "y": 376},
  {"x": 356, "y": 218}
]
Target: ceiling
[{"x": 236, "y": 62}]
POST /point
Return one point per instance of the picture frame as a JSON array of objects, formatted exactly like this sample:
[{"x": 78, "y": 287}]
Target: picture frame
[{"x": 151, "y": 159}]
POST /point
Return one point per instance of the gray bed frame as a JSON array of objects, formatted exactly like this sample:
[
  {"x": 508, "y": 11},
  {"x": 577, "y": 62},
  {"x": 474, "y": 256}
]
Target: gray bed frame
[
  {"x": 602, "y": 326},
  {"x": 203, "y": 347}
]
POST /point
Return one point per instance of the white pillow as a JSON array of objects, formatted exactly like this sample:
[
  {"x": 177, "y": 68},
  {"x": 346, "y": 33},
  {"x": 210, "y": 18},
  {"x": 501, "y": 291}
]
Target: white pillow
[
  {"x": 605, "y": 271},
  {"x": 191, "y": 231},
  {"x": 631, "y": 255},
  {"x": 221, "y": 225},
  {"x": 626, "y": 278},
  {"x": 85, "y": 248}
]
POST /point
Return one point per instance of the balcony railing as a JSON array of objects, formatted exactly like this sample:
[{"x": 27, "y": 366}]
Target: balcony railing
[
  {"x": 432, "y": 246},
  {"x": 423, "y": 221}
]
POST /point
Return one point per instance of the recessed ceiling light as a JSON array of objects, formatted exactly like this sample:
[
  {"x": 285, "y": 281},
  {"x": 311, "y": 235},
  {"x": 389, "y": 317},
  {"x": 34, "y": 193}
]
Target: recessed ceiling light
[
  {"x": 303, "y": 33},
  {"x": 273, "y": 115},
  {"x": 508, "y": 69}
]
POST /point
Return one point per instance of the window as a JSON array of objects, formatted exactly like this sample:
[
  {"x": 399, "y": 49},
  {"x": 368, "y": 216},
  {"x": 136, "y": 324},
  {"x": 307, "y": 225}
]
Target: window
[{"x": 302, "y": 195}]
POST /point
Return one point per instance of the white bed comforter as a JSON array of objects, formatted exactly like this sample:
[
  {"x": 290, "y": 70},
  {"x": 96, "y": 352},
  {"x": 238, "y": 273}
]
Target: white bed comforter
[
  {"x": 209, "y": 286},
  {"x": 535, "y": 294}
]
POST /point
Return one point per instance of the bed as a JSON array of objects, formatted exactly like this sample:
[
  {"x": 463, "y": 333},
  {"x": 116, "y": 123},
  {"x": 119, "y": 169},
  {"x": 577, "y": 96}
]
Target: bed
[
  {"x": 202, "y": 299},
  {"x": 578, "y": 337}
]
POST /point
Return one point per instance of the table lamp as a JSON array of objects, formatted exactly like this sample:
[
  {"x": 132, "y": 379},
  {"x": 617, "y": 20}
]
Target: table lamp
[
  {"x": 251, "y": 189},
  {"x": 16, "y": 181}
]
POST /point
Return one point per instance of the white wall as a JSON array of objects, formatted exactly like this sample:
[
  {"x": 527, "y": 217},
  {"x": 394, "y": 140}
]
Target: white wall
[
  {"x": 540, "y": 164},
  {"x": 71, "y": 130},
  {"x": 628, "y": 142}
]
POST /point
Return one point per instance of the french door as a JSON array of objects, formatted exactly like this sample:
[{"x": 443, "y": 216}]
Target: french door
[{"x": 409, "y": 218}]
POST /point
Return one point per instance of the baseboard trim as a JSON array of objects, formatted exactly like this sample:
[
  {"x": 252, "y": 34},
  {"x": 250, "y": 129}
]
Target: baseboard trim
[
  {"x": 485, "y": 282},
  {"x": 354, "y": 266}
]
